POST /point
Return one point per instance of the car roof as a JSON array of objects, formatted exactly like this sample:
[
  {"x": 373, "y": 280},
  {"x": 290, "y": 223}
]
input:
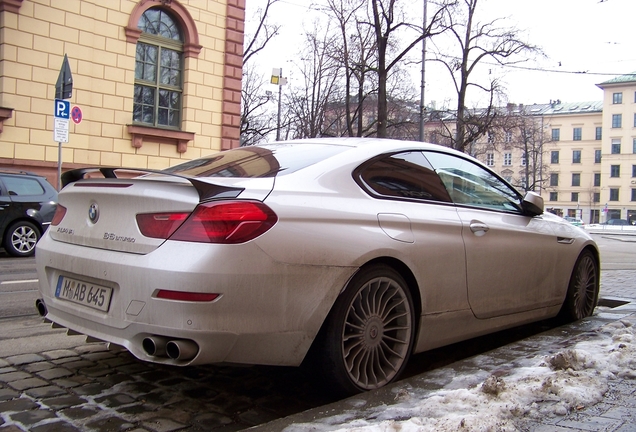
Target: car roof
[{"x": 285, "y": 157}]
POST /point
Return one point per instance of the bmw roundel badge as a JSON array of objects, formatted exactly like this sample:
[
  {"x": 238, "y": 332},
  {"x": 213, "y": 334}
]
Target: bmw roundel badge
[{"x": 93, "y": 212}]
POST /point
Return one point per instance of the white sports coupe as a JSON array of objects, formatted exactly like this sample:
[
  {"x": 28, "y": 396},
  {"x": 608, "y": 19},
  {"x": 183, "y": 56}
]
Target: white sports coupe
[{"x": 355, "y": 252}]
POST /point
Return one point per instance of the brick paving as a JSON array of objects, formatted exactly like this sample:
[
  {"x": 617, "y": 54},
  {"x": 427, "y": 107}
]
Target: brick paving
[{"x": 89, "y": 388}]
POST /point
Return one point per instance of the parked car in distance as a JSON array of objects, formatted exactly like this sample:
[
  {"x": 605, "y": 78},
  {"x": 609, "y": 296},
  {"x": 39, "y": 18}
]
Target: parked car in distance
[
  {"x": 616, "y": 222},
  {"x": 27, "y": 206},
  {"x": 348, "y": 254},
  {"x": 574, "y": 221}
]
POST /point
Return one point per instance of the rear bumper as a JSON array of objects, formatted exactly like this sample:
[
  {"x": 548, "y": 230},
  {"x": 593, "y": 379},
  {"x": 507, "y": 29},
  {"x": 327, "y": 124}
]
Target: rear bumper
[{"x": 268, "y": 312}]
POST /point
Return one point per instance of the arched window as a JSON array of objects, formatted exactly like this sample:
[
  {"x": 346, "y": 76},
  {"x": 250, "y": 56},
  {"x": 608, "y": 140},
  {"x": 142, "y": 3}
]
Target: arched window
[{"x": 158, "y": 71}]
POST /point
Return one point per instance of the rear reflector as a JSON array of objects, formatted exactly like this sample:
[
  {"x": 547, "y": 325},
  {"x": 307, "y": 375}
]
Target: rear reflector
[
  {"x": 225, "y": 222},
  {"x": 187, "y": 296},
  {"x": 60, "y": 212}
]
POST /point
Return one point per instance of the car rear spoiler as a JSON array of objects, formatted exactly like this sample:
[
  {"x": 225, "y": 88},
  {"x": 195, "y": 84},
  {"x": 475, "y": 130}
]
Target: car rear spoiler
[{"x": 206, "y": 191}]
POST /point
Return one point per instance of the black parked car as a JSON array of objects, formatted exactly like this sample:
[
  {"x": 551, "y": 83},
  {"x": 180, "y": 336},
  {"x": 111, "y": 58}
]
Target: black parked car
[{"x": 27, "y": 205}]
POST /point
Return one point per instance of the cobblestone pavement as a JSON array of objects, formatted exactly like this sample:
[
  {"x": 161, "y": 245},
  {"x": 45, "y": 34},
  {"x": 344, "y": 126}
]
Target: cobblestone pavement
[
  {"x": 82, "y": 387},
  {"x": 88, "y": 387}
]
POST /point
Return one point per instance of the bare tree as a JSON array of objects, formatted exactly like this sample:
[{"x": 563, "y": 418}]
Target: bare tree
[
  {"x": 256, "y": 119},
  {"x": 356, "y": 52},
  {"x": 307, "y": 105},
  {"x": 263, "y": 33},
  {"x": 527, "y": 134},
  {"x": 477, "y": 43},
  {"x": 388, "y": 21}
]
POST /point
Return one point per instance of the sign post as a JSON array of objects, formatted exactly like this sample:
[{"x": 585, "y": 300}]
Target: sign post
[
  {"x": 62, "y": 112},
  {"x": 280, "y": 81}
]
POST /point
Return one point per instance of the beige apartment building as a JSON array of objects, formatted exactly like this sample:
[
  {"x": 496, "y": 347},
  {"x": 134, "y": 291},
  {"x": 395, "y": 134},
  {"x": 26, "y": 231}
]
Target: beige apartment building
[
  {"x": 155, "y": 82},
  {"x": 587, "y": 165}
]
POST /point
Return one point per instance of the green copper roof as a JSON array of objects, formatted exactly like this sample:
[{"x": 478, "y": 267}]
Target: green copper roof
[{"x": 627, "y": 78}]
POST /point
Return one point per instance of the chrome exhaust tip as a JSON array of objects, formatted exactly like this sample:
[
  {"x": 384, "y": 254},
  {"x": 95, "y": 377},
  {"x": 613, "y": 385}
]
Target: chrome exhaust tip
[
  {"x": 182, "y": 349},
  {"x": 155, "y": 346},
  {"x": 41, "y": 307}
]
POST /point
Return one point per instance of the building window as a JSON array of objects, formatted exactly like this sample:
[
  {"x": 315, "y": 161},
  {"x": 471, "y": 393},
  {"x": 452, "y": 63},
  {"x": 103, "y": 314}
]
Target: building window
[
  {"x": 597, "y": 156},
  {"x": 596, "y": 197},
  {"x": 613, "y": 194},
  {"x": 490, "y": 159},
  {"x": 617, "y": 98},
  {"x": 633, "y": 194},
  {"x": 575, "y": 197},
  {"x": 634, "y": 146},
  {"x": 597, "y": 179},
  {"x": 554, "y": 179},
  {"x": 556, "y": 134},
  {"x": 615, "y": 170},
  {"x": 508, "y": 137},
  {"x": 576, "y": 156},
  {"x": 617, "y": 120},
  {"x": 554, "y": 196},
  {"x": 158, "y": 71},
  {"x": 507, "y": 159},
  {"x": 634, "y": 119},
  {"x": 554, "y": 155},
  {"x": 599, "y": 133},
  {"x": 523, "y": 159},
  {"x": 633, "y": 170},
  {"x": 491, "y": 137},
  {"x": 577, "y": 134},
  {"x": 576, "y": 179},
  {"x": 616, "y": 146}
]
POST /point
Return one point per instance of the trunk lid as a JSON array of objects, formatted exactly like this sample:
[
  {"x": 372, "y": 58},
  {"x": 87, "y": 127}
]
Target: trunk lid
[{"x": 101, "y": 212}]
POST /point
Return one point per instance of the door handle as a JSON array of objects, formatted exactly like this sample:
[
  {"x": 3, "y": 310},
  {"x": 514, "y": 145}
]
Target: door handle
[{"x": 478, "y": 228}]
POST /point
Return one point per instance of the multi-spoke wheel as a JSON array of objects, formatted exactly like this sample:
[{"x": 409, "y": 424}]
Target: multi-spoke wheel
[
  {"x": 582, "y": 295},
  {"x": 21, "y": 239},
  {"x": 369, "y": 333}
]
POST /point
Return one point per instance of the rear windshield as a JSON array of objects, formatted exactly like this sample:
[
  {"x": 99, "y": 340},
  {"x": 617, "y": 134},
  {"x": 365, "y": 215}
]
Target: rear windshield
[{"x": 257, "y": 161}]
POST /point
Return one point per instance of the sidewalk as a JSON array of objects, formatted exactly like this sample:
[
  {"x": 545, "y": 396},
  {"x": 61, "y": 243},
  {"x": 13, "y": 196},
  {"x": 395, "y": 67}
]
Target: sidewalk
[{"x": 578, "y": 377}]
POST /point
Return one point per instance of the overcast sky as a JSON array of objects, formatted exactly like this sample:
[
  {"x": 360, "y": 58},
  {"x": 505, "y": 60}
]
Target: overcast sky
[{"x": 586, "y": 42}]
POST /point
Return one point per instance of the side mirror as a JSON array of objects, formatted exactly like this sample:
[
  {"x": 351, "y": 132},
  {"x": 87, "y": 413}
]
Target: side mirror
[{"x": 532, "y": 204}]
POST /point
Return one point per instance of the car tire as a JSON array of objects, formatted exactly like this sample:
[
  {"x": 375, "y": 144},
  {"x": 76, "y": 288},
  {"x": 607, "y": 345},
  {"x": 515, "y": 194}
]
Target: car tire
[
  {"x": 368, "y": 336},
  {"x": 583, "y": 289},
  {"x": 21, "y": 238}
]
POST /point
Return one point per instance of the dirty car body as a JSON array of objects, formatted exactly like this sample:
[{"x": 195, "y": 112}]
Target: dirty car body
[{"x": 355, "y": 252}]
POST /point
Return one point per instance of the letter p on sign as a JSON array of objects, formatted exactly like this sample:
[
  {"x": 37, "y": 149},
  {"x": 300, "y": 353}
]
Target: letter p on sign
[{"x": 62, "y": 109}]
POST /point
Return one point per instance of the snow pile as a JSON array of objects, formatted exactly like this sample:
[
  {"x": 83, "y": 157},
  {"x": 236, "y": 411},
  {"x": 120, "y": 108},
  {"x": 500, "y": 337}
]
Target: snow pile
[{"x": 548, "y": 386}]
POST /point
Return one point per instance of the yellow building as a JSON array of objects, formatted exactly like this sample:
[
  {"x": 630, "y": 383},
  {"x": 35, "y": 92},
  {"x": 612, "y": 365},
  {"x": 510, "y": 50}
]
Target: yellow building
[
  {"x": 155, "y": 82},
  {"x": 618, "y": 168},
  {"x": 586, "y": 164}
]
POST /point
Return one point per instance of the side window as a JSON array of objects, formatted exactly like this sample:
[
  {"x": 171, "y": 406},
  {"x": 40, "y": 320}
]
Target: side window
[
  {"x": 470, "y": 184},
  {"x": 22, "y": 186},
  {"x": 402, "y": 175}
]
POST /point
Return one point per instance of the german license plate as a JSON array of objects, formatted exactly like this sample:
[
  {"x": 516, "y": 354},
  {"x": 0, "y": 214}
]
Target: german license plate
[{"x": 84, "y": 293}]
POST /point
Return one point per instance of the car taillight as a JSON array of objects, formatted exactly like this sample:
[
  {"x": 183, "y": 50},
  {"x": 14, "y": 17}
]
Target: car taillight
[
  {"x": 60, "y": 212},
  {"x": 226, "y": 222},
  {"x": 160, "y": 225}
]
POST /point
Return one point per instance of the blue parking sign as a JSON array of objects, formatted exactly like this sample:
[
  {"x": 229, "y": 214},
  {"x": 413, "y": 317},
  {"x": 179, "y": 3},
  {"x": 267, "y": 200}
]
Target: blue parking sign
[{"x": 62, "y": 109}]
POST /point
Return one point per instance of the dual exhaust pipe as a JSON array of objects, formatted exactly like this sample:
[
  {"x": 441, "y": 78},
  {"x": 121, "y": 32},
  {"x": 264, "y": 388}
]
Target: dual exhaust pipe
[
  {"x": 177, "y": 349},
  {"x": 154, "y": 346}
]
